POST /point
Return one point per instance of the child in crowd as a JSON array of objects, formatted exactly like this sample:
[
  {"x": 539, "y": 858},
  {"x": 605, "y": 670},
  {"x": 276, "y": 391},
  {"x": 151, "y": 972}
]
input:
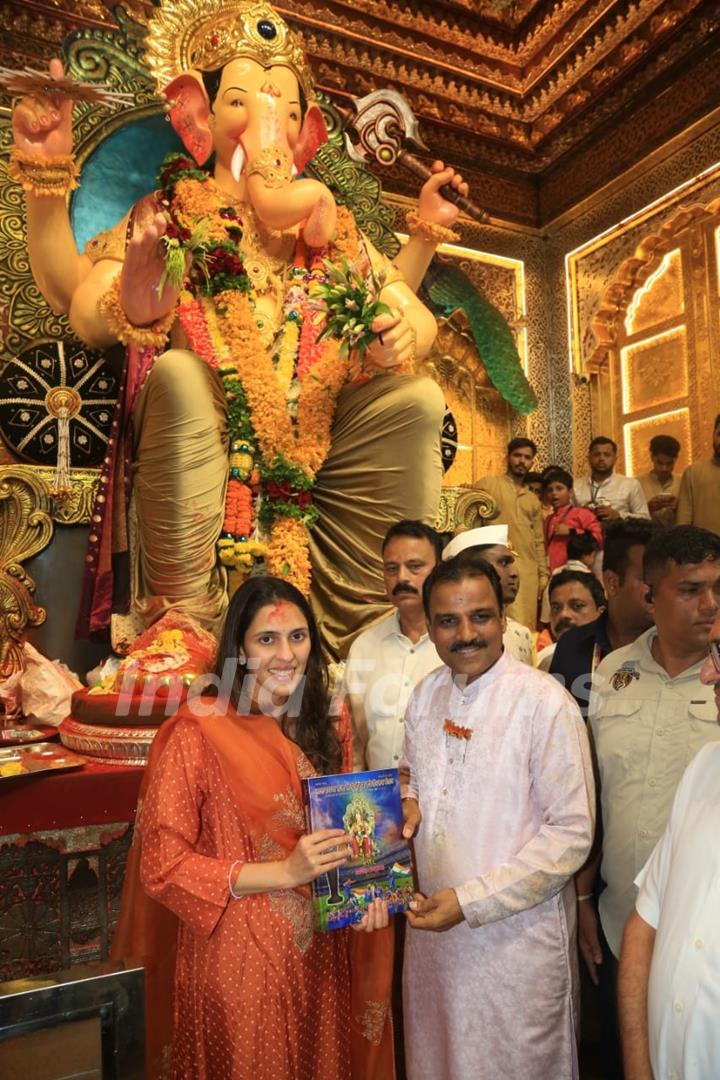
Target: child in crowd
[
  {"x": 557, "y": 490},
  {"x": 582, "y": 552}
]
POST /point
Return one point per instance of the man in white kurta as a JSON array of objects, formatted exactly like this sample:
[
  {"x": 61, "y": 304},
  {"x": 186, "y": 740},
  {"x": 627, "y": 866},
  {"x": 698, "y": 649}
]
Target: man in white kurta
[{"x": 498, "y": 761}]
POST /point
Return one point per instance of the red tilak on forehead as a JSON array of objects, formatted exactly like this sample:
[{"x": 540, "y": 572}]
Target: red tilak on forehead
[{"x": 279, "y": 608}]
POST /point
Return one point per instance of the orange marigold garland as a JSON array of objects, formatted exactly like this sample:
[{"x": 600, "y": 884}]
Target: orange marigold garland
[{"x": 216, "y": 311}]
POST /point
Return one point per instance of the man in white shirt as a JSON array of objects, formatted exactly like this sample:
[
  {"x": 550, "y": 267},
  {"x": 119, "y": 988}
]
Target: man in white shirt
[
  {"x": 649, "y": 716},
  {"x": 669, "y": 986},
  {"x": 387, "y": 660},
  {"x": 500, "y": 793},
  {"x": 492, "y": 544},
  {"x": 609, "y": 494}
]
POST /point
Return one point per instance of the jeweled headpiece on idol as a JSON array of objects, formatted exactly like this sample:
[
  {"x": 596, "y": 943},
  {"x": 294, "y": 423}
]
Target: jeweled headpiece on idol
[{"x": 207, "y": 34}]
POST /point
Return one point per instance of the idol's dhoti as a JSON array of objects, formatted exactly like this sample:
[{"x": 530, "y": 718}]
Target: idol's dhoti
[
  {"x": 180, "y": 469},
  {"x": 384, "y": 465}
]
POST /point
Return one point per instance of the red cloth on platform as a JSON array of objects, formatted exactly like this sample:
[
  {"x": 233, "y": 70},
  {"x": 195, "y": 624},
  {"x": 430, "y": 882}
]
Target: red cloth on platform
[{"x": 92, "y": 795}]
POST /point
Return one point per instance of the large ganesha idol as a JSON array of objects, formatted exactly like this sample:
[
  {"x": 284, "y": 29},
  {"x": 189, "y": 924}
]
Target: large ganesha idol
[{"x": 247, "y": 428}]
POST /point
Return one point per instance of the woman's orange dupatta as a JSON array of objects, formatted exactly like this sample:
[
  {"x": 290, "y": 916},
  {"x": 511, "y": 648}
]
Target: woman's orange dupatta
[{"x": 257, "y": 762}]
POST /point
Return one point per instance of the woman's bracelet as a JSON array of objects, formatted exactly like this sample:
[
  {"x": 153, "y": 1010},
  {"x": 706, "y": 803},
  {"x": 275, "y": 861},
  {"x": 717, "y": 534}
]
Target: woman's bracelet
[
  {"x": 231, "y": 884},
  {"x": 111, "y": 309},
  {"x": 428, "y": 230},
  {"x": 585, "y": 896},
  {"x": 56, "y": 175}
]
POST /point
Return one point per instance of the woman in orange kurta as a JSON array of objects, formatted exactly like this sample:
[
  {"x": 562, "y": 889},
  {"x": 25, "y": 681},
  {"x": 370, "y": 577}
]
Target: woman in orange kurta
[{"x": 257, "y": 993}]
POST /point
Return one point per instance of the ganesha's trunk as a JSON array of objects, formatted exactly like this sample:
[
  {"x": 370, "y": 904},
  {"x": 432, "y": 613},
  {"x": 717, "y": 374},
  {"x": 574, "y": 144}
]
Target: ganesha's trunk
[{"x": 279, "y": 201}]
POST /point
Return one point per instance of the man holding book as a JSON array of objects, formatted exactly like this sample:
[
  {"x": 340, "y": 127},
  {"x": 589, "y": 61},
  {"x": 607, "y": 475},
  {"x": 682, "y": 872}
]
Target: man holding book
[{"x": 499, "y": 795}]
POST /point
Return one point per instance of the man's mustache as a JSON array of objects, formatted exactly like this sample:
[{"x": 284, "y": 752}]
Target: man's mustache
[
  {"x": 404, "y": 586},
  {"x": 474, "y": 644},
  {"x": 563, "y": 625}
]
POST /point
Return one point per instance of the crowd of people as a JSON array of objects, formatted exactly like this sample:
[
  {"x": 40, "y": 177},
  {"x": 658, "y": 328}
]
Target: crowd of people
[{"x": 548, "y": 686}]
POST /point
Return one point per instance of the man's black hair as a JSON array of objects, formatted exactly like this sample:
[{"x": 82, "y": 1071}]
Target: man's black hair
[
  {"x": 557, "y": 475},
  {"x": 519, "y": 442},
  {"x": 601, "y": 440},
  {"x": 586, "y": 578},
  {"x": 581, "y": 543},
  {"x": 419, "y": 531},
  {"x": 620, "y": 536},
  {"x": 717, "y": 421},
  {"x": 664, "y": 444},
  {"x": 686, "y": 545},
  {"x": 457, "y": 570}
]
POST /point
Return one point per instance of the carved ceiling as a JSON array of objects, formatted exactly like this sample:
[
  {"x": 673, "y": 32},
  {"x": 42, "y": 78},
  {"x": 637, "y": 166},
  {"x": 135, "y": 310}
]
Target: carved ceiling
[{"x": 539, "y": 102}]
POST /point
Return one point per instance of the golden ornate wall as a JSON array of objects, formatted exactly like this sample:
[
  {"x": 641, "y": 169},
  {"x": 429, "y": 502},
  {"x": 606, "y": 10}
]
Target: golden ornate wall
[{"x": 644, "y": 323}]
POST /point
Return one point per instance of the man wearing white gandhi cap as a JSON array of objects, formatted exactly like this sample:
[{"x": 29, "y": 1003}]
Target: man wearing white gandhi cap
[{"x": 491, "y": 543}]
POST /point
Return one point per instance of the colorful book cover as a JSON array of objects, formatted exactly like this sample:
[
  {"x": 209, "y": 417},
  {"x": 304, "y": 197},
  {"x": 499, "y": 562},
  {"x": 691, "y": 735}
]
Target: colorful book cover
[{"x": 368, "y": 807}]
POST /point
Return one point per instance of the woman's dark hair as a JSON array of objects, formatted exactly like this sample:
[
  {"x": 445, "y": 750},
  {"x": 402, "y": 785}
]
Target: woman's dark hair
[{"x": 314, "y": 731}]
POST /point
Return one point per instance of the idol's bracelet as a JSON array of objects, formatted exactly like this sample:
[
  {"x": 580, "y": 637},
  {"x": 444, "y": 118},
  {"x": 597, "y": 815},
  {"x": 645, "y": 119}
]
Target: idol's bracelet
[
  {"x": 56, "y": 175},
  {"x": 273, "y": 166},
  {"x": 428, "y": 230},
  {"x": 585, "y": 896},
  {"x": 153, "y": 336}
]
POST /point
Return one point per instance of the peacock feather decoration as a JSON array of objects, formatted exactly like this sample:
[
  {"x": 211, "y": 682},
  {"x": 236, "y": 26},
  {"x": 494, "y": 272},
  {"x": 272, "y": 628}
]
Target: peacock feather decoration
[{"x": 447, "y": 289}]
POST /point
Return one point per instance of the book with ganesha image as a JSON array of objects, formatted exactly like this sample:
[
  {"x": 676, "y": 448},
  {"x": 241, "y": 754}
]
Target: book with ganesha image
[{"x": 368, "y": 807}]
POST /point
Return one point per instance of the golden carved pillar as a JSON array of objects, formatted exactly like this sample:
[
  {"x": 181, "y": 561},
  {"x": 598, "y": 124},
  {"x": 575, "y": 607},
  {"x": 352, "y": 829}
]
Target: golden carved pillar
[{"x": 25, "y": 529}]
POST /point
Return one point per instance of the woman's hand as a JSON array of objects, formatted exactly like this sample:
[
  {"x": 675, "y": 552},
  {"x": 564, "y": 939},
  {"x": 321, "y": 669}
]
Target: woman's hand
[
  {"x": 142, "y": 272},
  {"x": 432, "y": 206},
  {"x": 42, "y": 123},
  {"x": 376, "y": 917},
  {"x": 315, "y": 854},
  {"x": 395, "y": 342}
]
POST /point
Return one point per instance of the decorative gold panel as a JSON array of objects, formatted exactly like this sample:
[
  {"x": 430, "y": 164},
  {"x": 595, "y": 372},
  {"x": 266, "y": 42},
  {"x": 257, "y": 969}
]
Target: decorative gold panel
[
  {"x": 25, "y": 529},
  {"x": 654, "y": 371},
  {"x": 660, "y": 298},
  {"x": 637, "y": 436}
]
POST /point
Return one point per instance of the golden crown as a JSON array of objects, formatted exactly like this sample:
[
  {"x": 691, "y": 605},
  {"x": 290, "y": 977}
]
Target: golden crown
[{"x": 207, "y": 34}]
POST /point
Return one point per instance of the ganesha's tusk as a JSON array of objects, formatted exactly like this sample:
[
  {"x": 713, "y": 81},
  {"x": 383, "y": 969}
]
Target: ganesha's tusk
[{"x": 238, "y": 162}]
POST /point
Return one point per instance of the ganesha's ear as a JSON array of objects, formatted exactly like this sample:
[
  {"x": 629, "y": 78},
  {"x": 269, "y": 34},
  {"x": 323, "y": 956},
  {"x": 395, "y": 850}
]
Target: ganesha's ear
[
  {"x": 190, "y": 114},
  {"x": 313, "y": 134}
]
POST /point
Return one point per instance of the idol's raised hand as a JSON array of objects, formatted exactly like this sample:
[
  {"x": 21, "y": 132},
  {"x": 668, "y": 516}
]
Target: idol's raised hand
[
  {"x": 432, "y": 206},
  {"x": 42, "y": 123},
  {"x": 143, "y": 298}
]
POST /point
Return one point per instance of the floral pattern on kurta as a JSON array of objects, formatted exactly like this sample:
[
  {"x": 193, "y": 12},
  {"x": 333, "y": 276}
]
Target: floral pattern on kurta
[
  {"x": 257, "y": 993},
  {"x": 506, "y": 821}
]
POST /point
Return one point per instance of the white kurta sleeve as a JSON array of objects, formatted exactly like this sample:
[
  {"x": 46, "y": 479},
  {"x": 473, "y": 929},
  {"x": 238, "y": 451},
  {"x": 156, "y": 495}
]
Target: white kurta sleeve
[
  {"x": 407, "y": 760},
  {"x": 563, "y": 796}
]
